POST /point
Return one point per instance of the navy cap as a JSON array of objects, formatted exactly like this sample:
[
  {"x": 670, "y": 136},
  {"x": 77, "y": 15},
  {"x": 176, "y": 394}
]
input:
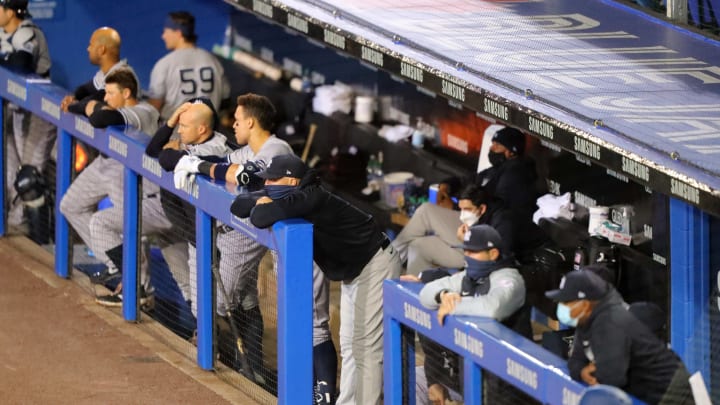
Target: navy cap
[
  {"x": 284, "y": 166},
  {"x": 512, "y": 139},
  {"x": 481, "y": 237},
  {"x": 579, "y": 285}
]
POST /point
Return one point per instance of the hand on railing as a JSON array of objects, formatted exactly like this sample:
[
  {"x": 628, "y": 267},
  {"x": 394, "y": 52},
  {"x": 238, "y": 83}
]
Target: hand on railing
[
  {"x": 185, "y": 171},
  {"x": 448, "y": 301}
]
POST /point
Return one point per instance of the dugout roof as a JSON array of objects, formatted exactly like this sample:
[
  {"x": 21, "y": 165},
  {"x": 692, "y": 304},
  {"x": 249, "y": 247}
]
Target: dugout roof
[{"x": 600, "y": 79}]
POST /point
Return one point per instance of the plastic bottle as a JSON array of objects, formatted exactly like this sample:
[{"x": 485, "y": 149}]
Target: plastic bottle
[
  {"x": 371, "y": 168},
  {"x": 418, "y": 136},
  {"x": 378, "y": 166}
]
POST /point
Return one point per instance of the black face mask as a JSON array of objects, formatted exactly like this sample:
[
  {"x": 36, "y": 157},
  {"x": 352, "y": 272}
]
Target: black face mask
[{"x": 496, "y": 158}]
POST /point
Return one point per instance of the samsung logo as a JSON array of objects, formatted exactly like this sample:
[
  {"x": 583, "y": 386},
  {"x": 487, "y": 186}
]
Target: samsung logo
[
  {"x": 191, "y": 188},
  {"x": 417, "y": 315},
  {"x": 587, "y": 148},
  {"x": 298, "y": 23},
  {"x": 262, "y": 8},
  {"x": 372, "y": 56},
  {"x": 635, "y": 169},
  {"x": 84, "y": 127},
  {"x": 468, "y": 343},
  {"x": 17, "y": 90},
  {"x": 496, "y": 109},
  {"x": 50, "y": 108},
  {"x": 411, "y": 72},
  {"x": 117, "y": 145},
  {"x": 151, "y": 165},
  {"x": 685, "y": 191},
  {"x": 521, "y": 373},
  {"x": 453, "y": 90},
  {"x": 541, "y": 128},
  {"x": 584, "y": 200},
  {"x": 334, "y": 39}
]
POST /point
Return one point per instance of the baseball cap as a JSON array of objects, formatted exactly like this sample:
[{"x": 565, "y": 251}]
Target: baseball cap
[
  {"x": 481, "y": 237},
  {"x": 284, "y": 166},
  {"x": 512, "y": 139},
  {"x": 579, "y": 285}
]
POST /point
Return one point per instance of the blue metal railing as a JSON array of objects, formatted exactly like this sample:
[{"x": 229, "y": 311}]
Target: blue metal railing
[
  {"x": 483, "y": 343},
  {"x": 291, "y": 239}
]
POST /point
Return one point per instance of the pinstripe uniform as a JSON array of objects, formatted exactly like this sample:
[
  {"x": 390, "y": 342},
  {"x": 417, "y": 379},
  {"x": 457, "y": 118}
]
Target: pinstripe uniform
[
  {"x": 103, "y": 178},
  {"x": 186, "y": 73},
  {"x": 215, "y": 146},
  {"x": 238, "y": 270},
  {"x": 106, "y": 226},
  {"x": 31, "y": 138},
  {"x": 240, "y": 254}
]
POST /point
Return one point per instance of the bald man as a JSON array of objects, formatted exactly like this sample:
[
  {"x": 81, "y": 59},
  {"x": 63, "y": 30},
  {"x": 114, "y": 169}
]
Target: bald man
[
  {"x": 195, "y": 121},
  {"x": 104, "y": 52}
]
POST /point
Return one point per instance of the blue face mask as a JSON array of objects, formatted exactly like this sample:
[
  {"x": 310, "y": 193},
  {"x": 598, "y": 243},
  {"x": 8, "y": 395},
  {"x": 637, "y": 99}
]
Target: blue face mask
[
  {"x": 477, "y": 269},
  {"x": 278, "y": 192},
  {"x": 563, "y": 315}
]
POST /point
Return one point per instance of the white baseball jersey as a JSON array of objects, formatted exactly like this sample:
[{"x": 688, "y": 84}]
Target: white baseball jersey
[
  {"x": 215, "y": 146},
  {"x": 99, "y": 78},
  {"x": 141, "y": 116},
  {"x": 186, "y": 73},
  {"x": 274, "y": 146}
]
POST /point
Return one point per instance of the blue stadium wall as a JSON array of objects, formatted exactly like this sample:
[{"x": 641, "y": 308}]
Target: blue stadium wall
[{"x": 140, "y": 25}]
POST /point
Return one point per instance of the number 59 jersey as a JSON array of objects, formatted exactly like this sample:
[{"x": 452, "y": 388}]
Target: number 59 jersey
[{"x": 186, "y": 73}]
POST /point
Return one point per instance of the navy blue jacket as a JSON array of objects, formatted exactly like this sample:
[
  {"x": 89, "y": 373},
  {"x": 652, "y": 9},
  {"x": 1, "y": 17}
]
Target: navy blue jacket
[{"x": 344, "y": 237}]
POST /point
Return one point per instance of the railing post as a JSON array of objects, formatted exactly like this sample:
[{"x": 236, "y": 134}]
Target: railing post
[
  {"x": 131, "y": 237},
  {"x": 393, "y": 364},
  {"x": 294, "y": 307},
  {"x": 63, "y": 177},
  {"x": 205, "y": 294},
  {"x": 473, "y": 382},
  {"x": 690, "y": 278}
]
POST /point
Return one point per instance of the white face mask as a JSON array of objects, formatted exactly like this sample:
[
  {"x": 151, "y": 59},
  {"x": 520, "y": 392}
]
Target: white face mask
[{"x": 468, "y": 217}]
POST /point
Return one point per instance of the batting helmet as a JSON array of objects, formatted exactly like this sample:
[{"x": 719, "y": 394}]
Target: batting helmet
[{"x": 30, "y": 186}]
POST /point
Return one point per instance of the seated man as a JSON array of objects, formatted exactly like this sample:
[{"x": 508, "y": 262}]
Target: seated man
[
  {"x": 104, "y": 176},
  {"x": 511, "y": 178},
  {"x": 426, "y": 241},
  {"x": 195, "y": 127},
  {"x": 489, "y": 286},
  {"x": 612, "y": 347}
]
